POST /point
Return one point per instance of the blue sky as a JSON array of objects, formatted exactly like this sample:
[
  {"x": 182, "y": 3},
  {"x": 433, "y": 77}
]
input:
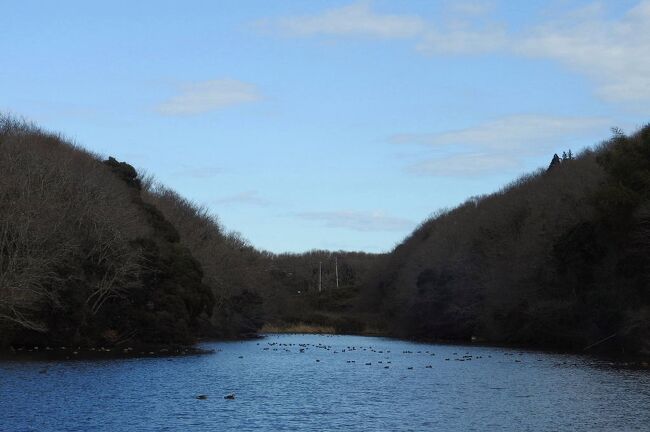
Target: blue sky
[{"x": 328, "y": 124}]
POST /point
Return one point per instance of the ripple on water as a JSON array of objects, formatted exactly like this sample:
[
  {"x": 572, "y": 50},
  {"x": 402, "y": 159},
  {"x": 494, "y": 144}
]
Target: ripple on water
[{"x": 279, "y": 385}]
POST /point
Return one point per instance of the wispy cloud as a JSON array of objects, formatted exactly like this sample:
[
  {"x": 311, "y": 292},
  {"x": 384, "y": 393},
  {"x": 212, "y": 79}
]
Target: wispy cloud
[
  {"x": 612, "y": 51},
  {"x": 518, "y": 132},
  {"x": 500, "y": 144},
  {"x": 206, "y": 96},
  {"x": 358, "y": 220},
  {"x": 357, "y": 19},
  {"x": 251, "y": 197}
]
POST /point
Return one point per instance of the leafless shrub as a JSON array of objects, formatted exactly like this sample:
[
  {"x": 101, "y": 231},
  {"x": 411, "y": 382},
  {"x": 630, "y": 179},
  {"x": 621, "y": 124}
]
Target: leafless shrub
[{"x": 59, "y": 206}]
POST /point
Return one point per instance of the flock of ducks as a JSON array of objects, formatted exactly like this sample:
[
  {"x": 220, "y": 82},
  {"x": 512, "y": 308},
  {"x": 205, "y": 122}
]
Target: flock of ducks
[
  {"x": 385, "y": 362},
  {"x": 98, "y": 350}
]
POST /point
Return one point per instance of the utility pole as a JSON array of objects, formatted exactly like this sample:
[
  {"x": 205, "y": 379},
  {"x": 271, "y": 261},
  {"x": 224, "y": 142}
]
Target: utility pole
[
  {"x": 336, "y": 267},
  {"x": 320, "y": 276}
]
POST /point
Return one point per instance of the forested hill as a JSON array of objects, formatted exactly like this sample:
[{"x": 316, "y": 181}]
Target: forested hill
[
  {"x": 84, "y": 259},
  {"x": 93, "y": 254},
  {"x": 559, "y": 258}
]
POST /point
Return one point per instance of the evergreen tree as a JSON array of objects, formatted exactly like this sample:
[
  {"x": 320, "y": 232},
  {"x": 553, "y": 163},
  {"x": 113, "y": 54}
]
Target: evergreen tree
[{"x": 554, "y": 162}]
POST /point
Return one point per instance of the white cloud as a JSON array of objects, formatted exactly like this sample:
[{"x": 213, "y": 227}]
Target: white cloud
[
  {"x": 206, "y": 96},
  {"x": 502, "y": 144},
  {"x": 610, "y": 50},
  {"x": 358, "y": 220},
  {"x": 614, "y": 53},
  {"x": 247, "y": 198},
  {"x": 357, "y": 19},
  {"x": 517, "y": 132}
]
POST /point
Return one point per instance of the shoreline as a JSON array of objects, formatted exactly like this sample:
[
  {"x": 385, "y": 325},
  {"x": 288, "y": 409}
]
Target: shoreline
[
  {"x": 48, "y": 353},
  {"x": 298, "y": 328},
  {"x": 24, "y": 353}
]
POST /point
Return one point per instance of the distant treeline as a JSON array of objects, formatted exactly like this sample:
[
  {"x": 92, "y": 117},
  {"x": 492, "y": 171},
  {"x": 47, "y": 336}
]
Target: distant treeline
[
  {"x": 559, "y": 258},
  {"x": 319, "y": 288},
  {"x": 94, "y": 253}
]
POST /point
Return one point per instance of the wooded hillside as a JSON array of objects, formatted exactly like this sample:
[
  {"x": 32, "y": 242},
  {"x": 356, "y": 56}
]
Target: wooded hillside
[
  {"x": 559, "y": 258},
  {"x": 92, "y": 253}
]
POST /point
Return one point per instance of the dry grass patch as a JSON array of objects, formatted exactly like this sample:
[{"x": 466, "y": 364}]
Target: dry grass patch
[{"x": 297, "y": 328}]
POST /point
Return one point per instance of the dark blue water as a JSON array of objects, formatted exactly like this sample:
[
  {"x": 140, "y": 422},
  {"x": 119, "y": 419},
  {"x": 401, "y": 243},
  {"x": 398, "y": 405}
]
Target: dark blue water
[{"x": 327, "y": 389}]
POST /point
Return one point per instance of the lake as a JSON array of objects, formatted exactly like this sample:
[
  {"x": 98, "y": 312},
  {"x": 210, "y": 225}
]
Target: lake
[{"x": 336, "y": 383}]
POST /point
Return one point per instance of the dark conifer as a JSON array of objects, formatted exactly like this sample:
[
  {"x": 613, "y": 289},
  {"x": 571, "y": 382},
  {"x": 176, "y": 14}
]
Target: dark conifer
[{"x": 554, "y": 162}]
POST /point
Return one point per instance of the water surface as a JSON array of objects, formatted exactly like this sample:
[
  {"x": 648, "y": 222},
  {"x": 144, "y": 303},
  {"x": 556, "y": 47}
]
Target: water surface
[{"x": 330, "y": 387}]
